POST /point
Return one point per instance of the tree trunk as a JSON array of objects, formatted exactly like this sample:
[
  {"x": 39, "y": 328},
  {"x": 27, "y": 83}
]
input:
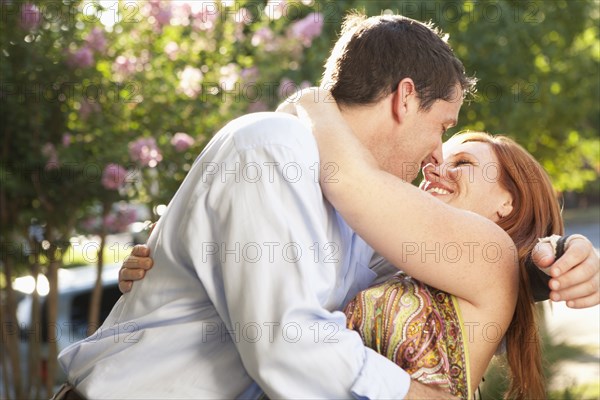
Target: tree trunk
[
  {"x": 5, "y": 367},
  {"x": 10, "y": 330},
  {"x": 52, "y": 306},
  {"x": 96, "y": 301},
  {"x": 35, "y": 334}
]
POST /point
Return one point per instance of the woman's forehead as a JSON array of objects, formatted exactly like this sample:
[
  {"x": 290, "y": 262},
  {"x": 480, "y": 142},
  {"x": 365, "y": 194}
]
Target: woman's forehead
[{"x": 477, "y": 149}]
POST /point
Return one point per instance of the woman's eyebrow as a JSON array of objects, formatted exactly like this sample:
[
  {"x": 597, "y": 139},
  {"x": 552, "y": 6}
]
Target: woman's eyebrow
[{"x": 463, "y": 154}]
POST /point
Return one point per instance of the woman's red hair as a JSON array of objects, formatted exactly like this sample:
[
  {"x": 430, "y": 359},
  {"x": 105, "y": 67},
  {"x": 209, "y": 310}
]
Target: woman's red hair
[{"x": 536, "y": 213}]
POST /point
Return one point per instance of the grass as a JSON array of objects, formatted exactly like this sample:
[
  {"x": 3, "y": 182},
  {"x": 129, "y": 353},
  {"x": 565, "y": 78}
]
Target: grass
[{"x": 588, "y": 391}]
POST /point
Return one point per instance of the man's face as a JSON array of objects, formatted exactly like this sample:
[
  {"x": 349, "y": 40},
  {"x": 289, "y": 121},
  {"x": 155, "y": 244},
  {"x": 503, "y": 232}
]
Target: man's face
[{"x": 417, "y": 139}]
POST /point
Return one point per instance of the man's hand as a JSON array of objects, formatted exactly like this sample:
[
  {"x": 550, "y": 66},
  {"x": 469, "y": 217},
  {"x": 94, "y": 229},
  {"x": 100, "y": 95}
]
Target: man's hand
[
  {"x": 420, "y": 391},
  {"x": 575, "y": 276},
  {"x": 134, "y": 267}
]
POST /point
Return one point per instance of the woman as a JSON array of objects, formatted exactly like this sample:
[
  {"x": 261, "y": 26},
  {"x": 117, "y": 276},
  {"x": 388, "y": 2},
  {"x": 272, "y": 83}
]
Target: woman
[{"x": 443, "y": 323}]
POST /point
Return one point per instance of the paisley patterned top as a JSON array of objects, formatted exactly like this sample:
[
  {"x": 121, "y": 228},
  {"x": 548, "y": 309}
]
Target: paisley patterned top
[{"x": 418, "y": 327}]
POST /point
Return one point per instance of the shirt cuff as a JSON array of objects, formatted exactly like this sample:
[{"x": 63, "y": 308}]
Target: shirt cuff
[{"x": 380, "y": 378}]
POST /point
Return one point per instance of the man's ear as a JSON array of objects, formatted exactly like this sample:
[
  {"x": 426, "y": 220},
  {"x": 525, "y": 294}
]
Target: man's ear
[{"x": 403, "y": 98}]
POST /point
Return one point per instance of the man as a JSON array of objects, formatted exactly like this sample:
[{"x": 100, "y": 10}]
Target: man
[{"x": 252, "y": 262}]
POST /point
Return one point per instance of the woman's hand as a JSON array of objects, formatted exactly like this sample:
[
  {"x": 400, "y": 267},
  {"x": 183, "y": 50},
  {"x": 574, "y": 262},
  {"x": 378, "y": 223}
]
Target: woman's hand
[
  {"x": 134, "y": 267},
  {"x": 340, "y": 150}
]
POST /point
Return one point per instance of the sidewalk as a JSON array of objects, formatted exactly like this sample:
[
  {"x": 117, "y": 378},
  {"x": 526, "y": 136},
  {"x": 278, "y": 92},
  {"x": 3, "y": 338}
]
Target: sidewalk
[{"x": 578, "y": 327}]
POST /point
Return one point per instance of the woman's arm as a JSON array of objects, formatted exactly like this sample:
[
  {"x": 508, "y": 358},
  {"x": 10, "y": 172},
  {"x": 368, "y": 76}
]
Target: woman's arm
[{"x": 454, "y": 250}]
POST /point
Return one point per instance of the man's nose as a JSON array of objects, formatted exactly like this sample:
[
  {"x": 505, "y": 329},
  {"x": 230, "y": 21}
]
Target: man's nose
[
  {"x": 431, "y": 172},
  {"x": 436, "y": 157}
]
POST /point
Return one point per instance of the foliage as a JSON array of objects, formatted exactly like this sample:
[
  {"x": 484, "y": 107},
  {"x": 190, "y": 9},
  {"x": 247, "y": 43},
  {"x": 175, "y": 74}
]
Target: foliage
[
  {"x": 103, "y": 102},
  {"x": 79, "y": 93}
]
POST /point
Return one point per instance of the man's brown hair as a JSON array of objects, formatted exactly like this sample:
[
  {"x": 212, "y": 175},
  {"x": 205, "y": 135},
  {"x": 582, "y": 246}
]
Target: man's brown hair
[{"x": 374, "y": 54}]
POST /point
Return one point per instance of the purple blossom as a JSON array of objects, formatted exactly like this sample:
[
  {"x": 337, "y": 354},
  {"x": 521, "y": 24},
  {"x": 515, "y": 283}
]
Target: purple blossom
[
  {"x": 96, "y": 40},
  {"x": 190, "y": 80},
  {"x": 257, "y": 106},
  {"x": 49, "y": 151},
  {"x": 182, "y": 141},
  {"x": 287, "y": 87},
  {"x": 124, "y": 66},
  {"x": 118, "y": 221},
  {"x": 82, "y": 58},
  {"x": 113, "y": 176},
  {"x": 91, "y": 224},
  {"x": 145, "y": 151},
  {"x": 229, "y": 76},
  {"x": 275, "y": 8},
  {"x": 88, "y": 108},
  {"x": 243, "y": 16},
  {"x": 204, "y": 15},
  {"x": 263, "y": 35},
  {"x": 307, "y": 28},
  {"x": 163, "y": 17},
  {"x": 249, "y": 74},
  {"x": 305, "y": 85},
  {"x": 172, "y": 50},
  {"x": 66, "y": 139},
  {"x": 159, "y": 13},
  {"x": 31, "y": 17}
]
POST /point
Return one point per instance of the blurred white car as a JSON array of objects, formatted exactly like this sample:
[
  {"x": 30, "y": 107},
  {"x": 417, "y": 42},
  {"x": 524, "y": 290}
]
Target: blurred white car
[{"x": 75, "y": 286}]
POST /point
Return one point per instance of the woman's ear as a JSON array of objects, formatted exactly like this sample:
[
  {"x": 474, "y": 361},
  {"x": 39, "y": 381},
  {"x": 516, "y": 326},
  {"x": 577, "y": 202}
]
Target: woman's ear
[{"x": 505, "y": 208}]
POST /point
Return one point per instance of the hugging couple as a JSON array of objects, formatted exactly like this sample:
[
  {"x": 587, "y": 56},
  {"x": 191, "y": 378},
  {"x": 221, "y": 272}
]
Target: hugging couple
[{"x": 371, "y": 319}]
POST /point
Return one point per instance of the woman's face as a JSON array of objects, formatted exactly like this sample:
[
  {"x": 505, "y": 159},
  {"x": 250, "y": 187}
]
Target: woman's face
[{"x": 469, "y": 179}]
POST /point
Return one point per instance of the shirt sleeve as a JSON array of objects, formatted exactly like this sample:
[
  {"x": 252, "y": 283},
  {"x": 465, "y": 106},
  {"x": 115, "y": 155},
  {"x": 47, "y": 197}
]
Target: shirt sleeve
[{"x": 275, "y": 276}]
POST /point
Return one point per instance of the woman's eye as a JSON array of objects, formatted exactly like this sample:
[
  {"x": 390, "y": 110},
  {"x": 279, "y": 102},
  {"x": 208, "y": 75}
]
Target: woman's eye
[{"x": 461, "y": 162}]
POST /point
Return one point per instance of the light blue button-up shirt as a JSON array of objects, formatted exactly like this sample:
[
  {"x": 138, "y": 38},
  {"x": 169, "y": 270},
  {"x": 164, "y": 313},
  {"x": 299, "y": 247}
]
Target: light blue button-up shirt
[{"x": 251, "y": 268}]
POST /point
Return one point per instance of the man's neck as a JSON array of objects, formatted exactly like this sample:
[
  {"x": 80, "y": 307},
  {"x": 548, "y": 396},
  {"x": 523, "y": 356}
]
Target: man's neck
[{"x": 366, "y": 121}]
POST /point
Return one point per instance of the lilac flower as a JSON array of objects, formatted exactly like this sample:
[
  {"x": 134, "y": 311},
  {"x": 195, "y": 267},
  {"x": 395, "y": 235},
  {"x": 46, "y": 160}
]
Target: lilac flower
[
  {"x": 82, "y": 58},
  {"x": 31, "y": 17},
  {"x": 204, "y": 15},
  {"x": 124, "y": 66},
  {"x": 66, "y": 139},
  {"x": 305, "y": 85},
  {"x": 91, "y": 224},
  {"x": 113, "y": 176},
  {"x": 145, "y": 151},
  {"x": 307, "y": 28},
  {"x": 182, "y": 141},
  {"x": 88, "y": 108},
  {"x": 158, "y": 12},
  {"x": 190, "y": 80},
  {"x": 249, "y": 74},
  {"x": 275, "y": 8},
  {"x": 96, "y": 40},
  {"x": 49, "y": 151},
  {"x": 118, "y": 221},
  {"x": 172, "y": 50},
  {"x": 181, "y": 13},
  {"x": 243, "y": 16},
  {"x": 257, "y": 106},
  {"x": 229, "y": 76},
  {"x": 163, "y": 17},
  {"x": 287, "y": 87},
  {"x": 263, "y": 35}
]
